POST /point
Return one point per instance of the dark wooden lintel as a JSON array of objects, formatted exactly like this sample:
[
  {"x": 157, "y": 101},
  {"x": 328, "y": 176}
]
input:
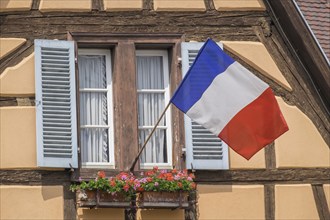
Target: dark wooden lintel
[
  {"x": 219, "y": 25},
  {"x": 34, "y": 177},
  {"x": 277, "y": 176},
  {"x": 17, "y": 101}
]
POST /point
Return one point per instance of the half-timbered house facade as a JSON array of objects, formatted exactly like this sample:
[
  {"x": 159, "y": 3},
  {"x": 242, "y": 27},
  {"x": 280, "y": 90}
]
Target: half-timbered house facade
[{"x": 83, "y": 83}]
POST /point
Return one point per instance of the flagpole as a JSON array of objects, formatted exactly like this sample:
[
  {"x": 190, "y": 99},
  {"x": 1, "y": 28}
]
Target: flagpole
[{"x": 149, "y": 136}]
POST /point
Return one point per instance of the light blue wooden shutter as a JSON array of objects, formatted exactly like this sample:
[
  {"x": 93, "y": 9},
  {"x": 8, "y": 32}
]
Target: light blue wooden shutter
[
  {"x": 55, "y": 104},
  {"x": 204, "y": 150}
]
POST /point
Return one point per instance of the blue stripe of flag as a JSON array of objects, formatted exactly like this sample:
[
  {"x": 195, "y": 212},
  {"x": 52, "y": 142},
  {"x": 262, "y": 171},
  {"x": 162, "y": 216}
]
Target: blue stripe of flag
[{"x": 209, "y": 63}]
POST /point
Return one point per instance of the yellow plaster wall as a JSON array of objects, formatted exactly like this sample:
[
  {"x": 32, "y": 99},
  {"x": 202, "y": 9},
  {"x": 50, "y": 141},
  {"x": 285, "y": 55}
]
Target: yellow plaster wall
[
  {"x": 8, "y": 45},
  {"x": 160, "y": 214},
  {"x": 67, "y": 5},
  {"x": 302, "y": 145},
  {"x": 256, "y": 55},
  {"x": 218, "y": 202},
  {"x": 15, "y": 5},
  {"x": 31, "y": 202},
  {"x": 19, "y": 80},
  {"x": 179, "y": 5},
  {"x": 17, "y": 137},
  {"x": 326, "y": 188},
  {"x": 295, "y": 202},
  {"x": 122, "y": 5},
  {"x": 236, "y": 161},
  {"x": 239, "y": 5},
  {"x": 107, "y": 213}
]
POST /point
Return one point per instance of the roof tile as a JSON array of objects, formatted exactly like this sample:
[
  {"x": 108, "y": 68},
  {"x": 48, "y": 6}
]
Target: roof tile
[{"x": 317, "y": 15}]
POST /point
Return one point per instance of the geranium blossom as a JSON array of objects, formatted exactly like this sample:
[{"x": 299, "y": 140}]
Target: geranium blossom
[
  {"x": 101, "y": 174},
  {"x": 163, "y": 180}
]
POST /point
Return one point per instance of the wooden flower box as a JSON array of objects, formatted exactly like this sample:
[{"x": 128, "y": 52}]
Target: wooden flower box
[
  {"x": 101, "y": 199},
  {"x": 86, "y": 198},
  {"x": 163, "y": 200}
]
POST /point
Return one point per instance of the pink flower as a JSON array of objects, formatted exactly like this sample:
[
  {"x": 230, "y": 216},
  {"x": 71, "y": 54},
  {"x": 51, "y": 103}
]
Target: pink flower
[
  {"x": 137, "y": 185},
  {"x": 101, "y": 174},
  {"x": 156, "y": 183},
  {"x": 126, "y": 187}
]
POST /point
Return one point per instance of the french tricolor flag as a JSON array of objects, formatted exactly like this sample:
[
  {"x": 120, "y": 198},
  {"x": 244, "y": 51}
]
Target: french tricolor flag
[{"x": 226, "y": 98}]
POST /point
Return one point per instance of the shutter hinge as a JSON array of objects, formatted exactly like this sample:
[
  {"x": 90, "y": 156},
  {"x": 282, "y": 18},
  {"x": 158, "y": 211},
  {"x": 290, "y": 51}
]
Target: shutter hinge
[
  {"x": 179, "y": 61},
  {"x": 183, "y": 154}
]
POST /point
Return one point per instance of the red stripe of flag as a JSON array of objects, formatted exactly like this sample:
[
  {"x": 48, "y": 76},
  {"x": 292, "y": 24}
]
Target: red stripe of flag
[{"x": 255, "y": 126}]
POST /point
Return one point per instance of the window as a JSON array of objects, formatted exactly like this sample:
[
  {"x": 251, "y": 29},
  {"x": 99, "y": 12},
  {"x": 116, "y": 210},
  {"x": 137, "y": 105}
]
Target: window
[
  {"x": 153, "y": 94},
  {"x": 121, "y": 94},
  {"x": 95, "y": 98}
]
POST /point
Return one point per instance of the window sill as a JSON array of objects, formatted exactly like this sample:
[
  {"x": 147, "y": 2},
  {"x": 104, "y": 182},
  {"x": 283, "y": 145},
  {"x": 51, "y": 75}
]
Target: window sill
[
  {"x": 149, "y": 166},
  {"x": 98, "y": 166}
]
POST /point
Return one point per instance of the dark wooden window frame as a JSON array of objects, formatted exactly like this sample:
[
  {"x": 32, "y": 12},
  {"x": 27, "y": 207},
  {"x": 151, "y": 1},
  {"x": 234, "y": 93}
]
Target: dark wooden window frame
[{"x": 123, "y": 48}]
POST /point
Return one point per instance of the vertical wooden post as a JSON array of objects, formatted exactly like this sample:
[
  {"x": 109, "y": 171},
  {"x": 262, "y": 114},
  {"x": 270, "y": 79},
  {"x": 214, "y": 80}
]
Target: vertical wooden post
[
  {"x": 69, "y": 205},
  {"x": 130, "y": 213},
  {"x": 191, "y": 212},
  {"x": 321, "y": 201},
  {"x": 125, "y": 105}
]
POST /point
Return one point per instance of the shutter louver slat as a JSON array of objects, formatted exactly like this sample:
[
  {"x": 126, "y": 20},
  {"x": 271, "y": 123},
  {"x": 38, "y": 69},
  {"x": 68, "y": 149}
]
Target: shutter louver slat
[
  {"x": 201, "y": 140},
  {"x": 204, "y": 149},
  {"x": 56, "y": 113}
]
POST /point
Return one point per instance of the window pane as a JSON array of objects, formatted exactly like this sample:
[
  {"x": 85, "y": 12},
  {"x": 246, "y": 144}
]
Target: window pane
[
  {"x": 155, "y": 151},
  {"x": 151, "y": 103},
  {"x": 94, "y": 143},
  {"x": 93, "y": 108},
  {"x": 150, "y": 72},
  {"x": 92, "y": 71},
  {"x": 150, "y": 107}
]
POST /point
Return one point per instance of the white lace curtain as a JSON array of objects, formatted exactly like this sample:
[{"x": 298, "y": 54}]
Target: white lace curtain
[
  {"x": 151, "y": 103},
  {"x": 93, "y": 108}
]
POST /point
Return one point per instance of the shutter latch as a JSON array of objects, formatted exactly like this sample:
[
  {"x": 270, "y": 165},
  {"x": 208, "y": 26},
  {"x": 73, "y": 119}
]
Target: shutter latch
[{"x": 192, "y": 168}]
